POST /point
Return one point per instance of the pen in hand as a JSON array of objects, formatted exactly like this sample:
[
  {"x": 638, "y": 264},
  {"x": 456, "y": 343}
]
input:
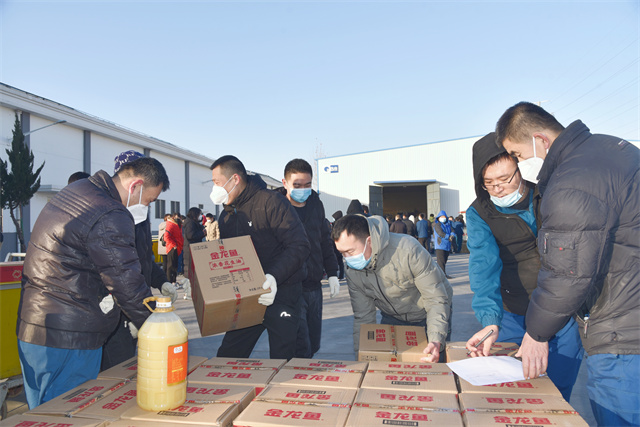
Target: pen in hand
[{"x": 482, "y": 340}]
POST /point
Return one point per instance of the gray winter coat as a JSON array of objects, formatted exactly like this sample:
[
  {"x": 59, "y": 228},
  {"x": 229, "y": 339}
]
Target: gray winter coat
[{"x": 402, "y": 281}]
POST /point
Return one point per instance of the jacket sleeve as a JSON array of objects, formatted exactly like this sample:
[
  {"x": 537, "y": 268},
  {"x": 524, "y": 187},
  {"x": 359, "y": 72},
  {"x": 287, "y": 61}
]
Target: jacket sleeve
[
  {"x": 364, "y": 309},
  {"x": 439, "y": 231},
  {"x": 113, "y": 251},
  {"x": 290, "y": 233},
  {"x": 329, "y": 259},
  {"x": 574, "y": 250},
  {"x": 194, "y": 232},
  {"x": 485, "y": 268},
  {"x": 435, "y": 290}
]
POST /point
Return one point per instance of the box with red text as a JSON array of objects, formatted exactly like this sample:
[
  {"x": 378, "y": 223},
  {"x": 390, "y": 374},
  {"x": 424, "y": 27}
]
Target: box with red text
[
  {"x": 78, "y": 398},
  {"x": 305, "y": 378},
  {"x": 485, "y": 419},
  {"x": 271, "y": 414},
  {"x": 368, "y": 417},
  {"x": 327, "y": 365},
  {"x": 211, "y": 414},
  {"x": 424, "y": 400},
  {"x": 541, "y": 385},
  {"x": 324, "y": 396},
  {"x": 523, "y": 403},
  {"x": 410, "y": 382},
  {"x": 227, "y": 281}
]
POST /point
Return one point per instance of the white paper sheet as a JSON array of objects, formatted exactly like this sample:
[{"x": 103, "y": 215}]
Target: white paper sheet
[{"x": 488, "y": 370}]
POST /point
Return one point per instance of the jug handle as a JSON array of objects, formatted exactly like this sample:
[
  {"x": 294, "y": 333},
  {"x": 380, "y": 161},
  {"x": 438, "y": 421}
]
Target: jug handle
[{"x": 147, "y": 300}]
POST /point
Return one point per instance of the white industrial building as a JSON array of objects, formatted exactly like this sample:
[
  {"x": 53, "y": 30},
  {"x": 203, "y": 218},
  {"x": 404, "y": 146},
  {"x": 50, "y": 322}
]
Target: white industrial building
[
  {"x": 69, "y": 141},
  {"x": 416, "y": 179}
]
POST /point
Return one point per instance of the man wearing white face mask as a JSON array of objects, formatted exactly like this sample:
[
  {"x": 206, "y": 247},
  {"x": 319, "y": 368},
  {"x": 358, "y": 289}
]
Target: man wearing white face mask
[
  {"x": 121, "y": 344},
  {"x": 307, "y": 204},
  {"x": 281, "y": 245},
  {"x": 589, "y": 264},
  {"x": 504, "y": 261},
  {"x": 82, "y": 248},
  {"x": 394, "y": 273}
]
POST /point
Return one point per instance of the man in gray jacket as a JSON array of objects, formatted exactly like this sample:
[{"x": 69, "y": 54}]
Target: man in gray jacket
[{"x": 394, "y": 273}]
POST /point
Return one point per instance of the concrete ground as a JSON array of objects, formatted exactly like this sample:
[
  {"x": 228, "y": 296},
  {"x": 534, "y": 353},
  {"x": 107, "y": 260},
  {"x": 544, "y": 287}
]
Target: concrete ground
[{"x": 337, "y": 330}]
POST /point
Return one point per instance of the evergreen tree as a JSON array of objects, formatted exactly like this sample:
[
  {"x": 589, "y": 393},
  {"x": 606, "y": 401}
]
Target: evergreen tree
[{"x": 20, "y": 184}]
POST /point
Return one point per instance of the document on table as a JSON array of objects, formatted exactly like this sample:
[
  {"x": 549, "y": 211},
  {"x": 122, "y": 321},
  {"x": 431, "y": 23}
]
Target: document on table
[{"x": 488, "y": 370}]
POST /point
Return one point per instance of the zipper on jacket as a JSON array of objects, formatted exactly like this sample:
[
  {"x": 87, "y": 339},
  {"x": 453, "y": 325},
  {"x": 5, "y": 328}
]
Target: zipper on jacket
[
  {"x": 586, "y": 324},
  {"x": 544, "y": 246}
]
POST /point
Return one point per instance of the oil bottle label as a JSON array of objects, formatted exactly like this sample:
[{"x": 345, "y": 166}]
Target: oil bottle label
[{"x": 178, "y": 362}]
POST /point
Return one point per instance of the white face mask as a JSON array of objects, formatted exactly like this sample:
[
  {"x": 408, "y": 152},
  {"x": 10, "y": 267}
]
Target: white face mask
[
  {"x": 508, "y": 200},
  {"x": 219, "y": 195},
  {"x": 138, "y": 211},
  {"x": 530, "y": 168},
  {"x": 442, "y": 220}
]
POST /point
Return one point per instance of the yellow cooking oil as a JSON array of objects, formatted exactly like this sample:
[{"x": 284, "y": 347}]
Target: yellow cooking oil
[{"x": 162, "y": 358}]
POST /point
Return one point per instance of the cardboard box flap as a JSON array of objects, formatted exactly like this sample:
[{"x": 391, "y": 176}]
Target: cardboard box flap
[
  {"x": 269, "y": 414},
  {"x": 233, "y": 363},
  {"x": 541, "y": 385},
  {"x": 326, "y": 365},
  {"x": 323, "y": 396},
  {"x": 213, "y": 375},
  {"x": 78, "y": 398},
  {"x": 497, "y": 402},
  {"x": 33, "y": 420},
  {"x": 410, "y": 382},
  {"x": 205, "y": 393},
  {"x": 484, "y": 419},
  {"x": 424, "y": 400},
  {"x": 312, "y": 379},
  {"x": 215, "y": 414},
  {"x": 128, "y": 370},
  {"x": 111, "y": 406},
  {"x": 413, "y": 367},
  {"x": 361, "y": 416}
]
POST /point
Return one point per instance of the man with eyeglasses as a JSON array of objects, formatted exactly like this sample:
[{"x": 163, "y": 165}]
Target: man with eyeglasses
[{"x": 502, "y": 226}]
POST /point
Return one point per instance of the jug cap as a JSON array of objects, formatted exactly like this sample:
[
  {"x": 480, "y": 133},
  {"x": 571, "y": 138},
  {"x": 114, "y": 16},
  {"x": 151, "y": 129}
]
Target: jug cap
[{"x": 163, "y": 304}]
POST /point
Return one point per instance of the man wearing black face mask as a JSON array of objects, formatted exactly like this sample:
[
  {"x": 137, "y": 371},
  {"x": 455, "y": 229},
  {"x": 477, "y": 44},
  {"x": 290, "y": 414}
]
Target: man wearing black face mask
[{"x": 82, "y": 248}]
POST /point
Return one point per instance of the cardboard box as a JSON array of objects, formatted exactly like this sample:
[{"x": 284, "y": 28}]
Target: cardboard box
[
  {"x": 29, "y": 420},
  {"x": 257, "y": 378},
  {"x": 137, "y": 423},
  {"x": 484, "y": 419},
  {"x": 410, "y": 343},
  {"x": 457, "y": 351},
  {"x": 269, "y": 414},
  {"x": 414, "y": 367},
  {"x": 214, "y": 414},
  {"x": 128, "y": 370},
  {"x": 323, "y": 396},
  {"x": 541, "y": 385},
  {"x": 78, "y": 398},
  {"x": 391, "y": 343},
  {"x": 111, "y": 406},
  {"x": 313, "y": 379},
  {"x": 376, "y": 343},
  {"x": 203, "y": 393},
  {"x": 367, "y": 417},
  {"x": 326, "y": 365},
  {"x": 227, "y": 282},
  {"x": 496, "y": 402},
  {"x": 394, "y": 381},
  {"x": 422, "y": 400},
  {"x": 230, "y": 362}
]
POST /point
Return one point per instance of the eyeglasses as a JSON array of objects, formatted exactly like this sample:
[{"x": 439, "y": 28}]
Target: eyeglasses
[{"x": 493, "y": 186}]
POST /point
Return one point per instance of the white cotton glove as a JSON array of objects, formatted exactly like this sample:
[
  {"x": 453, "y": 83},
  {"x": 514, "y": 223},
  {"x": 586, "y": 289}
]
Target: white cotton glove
[
  {"x": 133, "y": 330},
  {"x": 106, "y": 305},
  {"x": 269, "y": 283},
  {"x": 168, "y": 290},
  {"x": 334, "y": 286}
]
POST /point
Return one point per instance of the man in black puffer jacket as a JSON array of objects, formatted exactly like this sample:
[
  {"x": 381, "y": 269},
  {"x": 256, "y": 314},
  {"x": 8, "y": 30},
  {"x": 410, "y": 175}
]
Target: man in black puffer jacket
[
  {"x": 589, "y": 245},
  {"x": 307, "y": 204},
  {"x": 82, "y": 248},
  {"x": 281, "y": 245}
]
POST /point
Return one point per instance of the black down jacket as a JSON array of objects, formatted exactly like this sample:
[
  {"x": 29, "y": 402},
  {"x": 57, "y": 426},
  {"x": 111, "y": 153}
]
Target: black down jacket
[
  {"x": 276, "y": 232},
  {"x": 82, "y": 248},
  {"x": 322, "y": 257},
  {"x": 589, "y": 242}
]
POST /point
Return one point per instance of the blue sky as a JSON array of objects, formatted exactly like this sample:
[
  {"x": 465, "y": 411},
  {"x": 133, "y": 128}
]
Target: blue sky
[{"x": 271, "y": 81}]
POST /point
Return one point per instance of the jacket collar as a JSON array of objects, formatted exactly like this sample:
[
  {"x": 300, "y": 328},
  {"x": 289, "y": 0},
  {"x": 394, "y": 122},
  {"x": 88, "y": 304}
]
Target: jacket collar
[
  {"x": 102, "y": 180},
  {"x": 570, "y": 138},
  {"x": 254, "y": 184}
]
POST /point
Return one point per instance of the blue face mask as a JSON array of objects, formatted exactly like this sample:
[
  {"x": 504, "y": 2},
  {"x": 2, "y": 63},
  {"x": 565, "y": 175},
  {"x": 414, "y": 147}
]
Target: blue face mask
[
  {"x": 300, "y": 195},
  {"x": 508, "y": 200},
  {"x": 358, "y": 262}
]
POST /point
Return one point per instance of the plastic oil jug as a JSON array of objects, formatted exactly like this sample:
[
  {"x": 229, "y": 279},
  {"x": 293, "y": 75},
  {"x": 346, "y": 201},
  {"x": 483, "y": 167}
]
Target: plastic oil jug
[{"x": 162, "y": 358}]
